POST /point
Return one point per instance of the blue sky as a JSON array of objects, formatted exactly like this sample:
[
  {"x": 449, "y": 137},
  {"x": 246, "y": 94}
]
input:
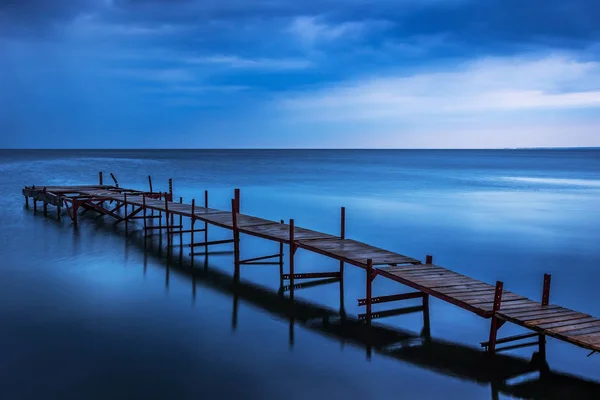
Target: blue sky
[{"x": 300, "y": 74}]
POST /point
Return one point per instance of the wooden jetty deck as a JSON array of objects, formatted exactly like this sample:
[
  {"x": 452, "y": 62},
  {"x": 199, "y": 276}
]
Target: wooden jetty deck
[{"x": 158, "y": 210}]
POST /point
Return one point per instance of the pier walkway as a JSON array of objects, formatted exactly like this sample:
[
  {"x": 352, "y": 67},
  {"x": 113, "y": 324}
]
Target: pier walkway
[{"x": 158, "y": 211}]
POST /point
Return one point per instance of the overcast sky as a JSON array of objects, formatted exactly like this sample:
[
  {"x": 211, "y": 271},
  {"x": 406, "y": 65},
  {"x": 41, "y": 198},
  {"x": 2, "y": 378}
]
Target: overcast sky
[{"x": 299, "y": 73}]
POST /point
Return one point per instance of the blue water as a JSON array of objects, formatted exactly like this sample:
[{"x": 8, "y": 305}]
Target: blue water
[{"x": 90, "y": 314}]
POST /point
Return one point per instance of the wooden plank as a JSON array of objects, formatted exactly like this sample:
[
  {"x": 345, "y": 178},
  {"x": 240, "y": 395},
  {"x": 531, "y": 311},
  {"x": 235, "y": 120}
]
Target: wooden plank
[
  {"x": 281, "y": 232},
  {"x": 552, "y": 318},
  {"x": 544, "y": 314},
  {"x": 530, "y": 305},
  {"x": 479, "y": 287},
  {"x": 409, "y": 268},
  {"x": 580, "y": 330},
  {"x": 509, "y": 299},
  {"x": 426, "y": 273},
  {"x": 568, "y": 322},
  {"x": 542, "y": 310},
  {"x": 453, "y": 283}
]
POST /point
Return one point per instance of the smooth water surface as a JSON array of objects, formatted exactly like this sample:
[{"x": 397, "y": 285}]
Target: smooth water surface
[{"x": 89, "y": 314}]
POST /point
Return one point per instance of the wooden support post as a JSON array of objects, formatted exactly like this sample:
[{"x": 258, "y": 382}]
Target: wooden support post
[
  {"x": 545, "y": 302},
  {"x": 236, "y": 241},
  {"x": 342, "y": 235},
  {"x": 292, "y": 252},
  {"x": 74, "y": 208},
  {"x": 170, "y": 189},
  {"x": 281, "y": 261},
  {"x": 26, "y": 201},
  {"x": 428, "y": 259},
  {"x": 369, "y": 290},
  {"x": 181, "y": 224},
  {"x": 168, "y": 233},
  {"x": 206, "y": 223},
  {"x": 426, "y": 333},
  {"x": 495, "y": 324},
  {"x": 145, "y": 214},
  {"x": 192, "y": 229},
  {"x": 150, "y": 183},
  {"x": 160, "y": 217},
  {"x": 58, "y": 211},
  {"x": 45, "y": 206},
  {"x": 237, "y": 199},
  {"x": 34, "y": 205},
  {"x": 114, "y": 179},
  {"x": 125, "y": 213},
  {"x": 100, "y": 180}
]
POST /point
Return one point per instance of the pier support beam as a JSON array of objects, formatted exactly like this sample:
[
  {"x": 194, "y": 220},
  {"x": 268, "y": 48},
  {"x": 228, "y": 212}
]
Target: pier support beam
[
  {"x": 545, "y": 302},
  {"x": 496, "y": 323},
  {"x": 236, "y": 240},
  {"x": 369, "y": 300},
  {"x": 292, "y": 252}
]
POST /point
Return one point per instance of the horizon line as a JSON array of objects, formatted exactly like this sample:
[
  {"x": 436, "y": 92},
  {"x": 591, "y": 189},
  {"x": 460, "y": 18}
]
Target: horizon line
[{"x": 304, "y": 148}]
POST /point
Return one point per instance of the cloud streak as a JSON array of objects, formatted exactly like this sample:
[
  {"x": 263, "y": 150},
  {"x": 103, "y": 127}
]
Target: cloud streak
[{"x": 486, "y": 85}]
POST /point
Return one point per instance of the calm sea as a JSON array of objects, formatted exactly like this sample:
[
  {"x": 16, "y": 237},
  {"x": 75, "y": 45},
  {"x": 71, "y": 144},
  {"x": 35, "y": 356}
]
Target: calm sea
[{"x": 90, "y": 314}]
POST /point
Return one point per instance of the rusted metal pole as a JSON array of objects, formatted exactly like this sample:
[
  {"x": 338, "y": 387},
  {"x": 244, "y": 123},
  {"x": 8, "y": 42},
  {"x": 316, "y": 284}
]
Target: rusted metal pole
[
  {"x": 546, "y": 290},
  {"x": 292, "y": 251},
  {"x": 236, "y": 240},
  {"x": 495, "y": 323},
  {"x": 369, "y": 290},
  {"x": 545, "y": 302}
]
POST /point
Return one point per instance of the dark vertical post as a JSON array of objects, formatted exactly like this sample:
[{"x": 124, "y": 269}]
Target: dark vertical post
[
  {"x": 58, "y": 210},
  {"x": 45, "y": 204},
  {"x": 237, "y": 200},
  {"x": 192, "y": 229},
  {"x": 75, "y": 208},
  {"x": 125, "y": 213},
  {"x": 281, "y": 261},
  {"x": 546, "y": 290},
  {"x": 145, "y": 213},
  {"x": 181, "y": 225},
  {"x": 494, "y": 324},
  {"x": 100, "y": 180},
  {"x": 545, "y": 302},
  {"x": 150, "y": 183},
  {"x": 34, "y": 205},
  {"x": 369, "y": 289},
  {"x": 205, "y": 223},
  {"x": 114, "y": 179},
  {"x": 160, "y": 217},
  {"x": 170, "y": 189},
  {"x": 27, "y": 201},
  {"x": 236, "y": 240},
  {"x": 426, "y": 327},
  {"x": 292, "y": 252},
  {"x": 167, "y": 227},
  {"x": 429, "y": 259}
]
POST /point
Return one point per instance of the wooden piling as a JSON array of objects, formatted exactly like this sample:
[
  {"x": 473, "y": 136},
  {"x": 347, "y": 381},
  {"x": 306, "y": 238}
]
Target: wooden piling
[
  {"x": 495, "y": 324},
  {"x": 292, "y": 251}
]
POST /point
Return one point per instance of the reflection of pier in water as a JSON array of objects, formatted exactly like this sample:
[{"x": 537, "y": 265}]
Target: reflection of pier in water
[{"x": 452, "y": 359}]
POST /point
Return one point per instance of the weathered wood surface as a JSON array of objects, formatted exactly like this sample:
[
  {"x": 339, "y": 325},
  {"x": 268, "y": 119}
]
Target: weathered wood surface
[
  {"x": 570, "y": 326},
  {"x": 281, "y": 232},
  {"x": 354, "y": 252}
]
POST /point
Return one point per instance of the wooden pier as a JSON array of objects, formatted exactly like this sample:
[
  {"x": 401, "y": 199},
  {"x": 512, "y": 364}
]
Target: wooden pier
[{"x": 161, "y": 213}]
